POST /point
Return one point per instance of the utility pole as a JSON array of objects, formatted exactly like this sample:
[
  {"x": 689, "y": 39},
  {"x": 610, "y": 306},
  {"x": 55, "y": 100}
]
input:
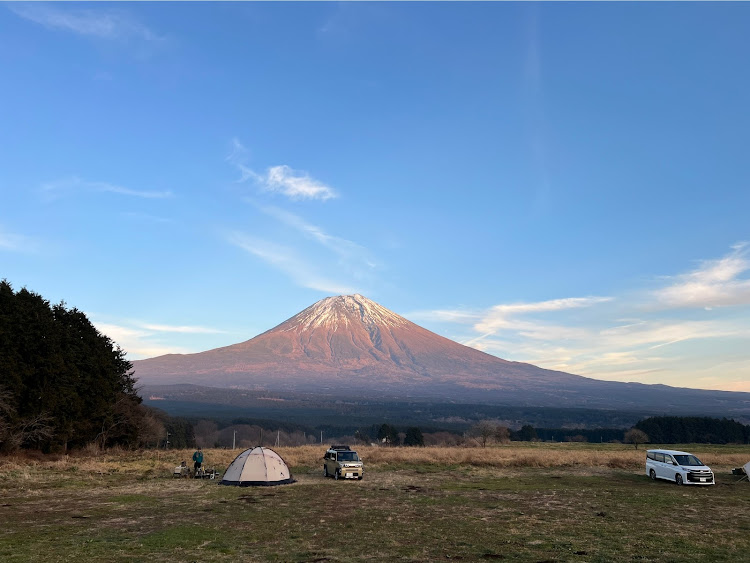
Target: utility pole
[
  {"x": 234, "y": 439},
  {"x": 166, "y": 443},
  {"x": 321, "y": 436}
]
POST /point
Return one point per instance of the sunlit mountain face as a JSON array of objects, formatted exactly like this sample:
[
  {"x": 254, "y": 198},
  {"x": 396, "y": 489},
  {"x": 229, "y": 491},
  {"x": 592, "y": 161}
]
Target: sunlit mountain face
[{"x": 349, "y": 345}]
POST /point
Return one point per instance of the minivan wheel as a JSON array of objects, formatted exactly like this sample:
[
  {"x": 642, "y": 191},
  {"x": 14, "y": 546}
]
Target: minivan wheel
[
  {"x": 652, "y": 474},
  {"x": 678, "y": 479}
]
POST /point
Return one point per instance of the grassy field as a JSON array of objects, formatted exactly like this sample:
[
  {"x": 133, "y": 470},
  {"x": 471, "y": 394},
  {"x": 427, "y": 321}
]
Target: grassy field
[{"x": 519, "y": 502}]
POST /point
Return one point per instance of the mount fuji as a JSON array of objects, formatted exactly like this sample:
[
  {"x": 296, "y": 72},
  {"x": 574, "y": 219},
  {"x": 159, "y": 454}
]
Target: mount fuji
[{"x": 351, "y": 346}]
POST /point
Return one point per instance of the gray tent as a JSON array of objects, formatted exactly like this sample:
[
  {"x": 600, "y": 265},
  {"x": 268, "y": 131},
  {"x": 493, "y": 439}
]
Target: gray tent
[{"x": 257, "y": 467}]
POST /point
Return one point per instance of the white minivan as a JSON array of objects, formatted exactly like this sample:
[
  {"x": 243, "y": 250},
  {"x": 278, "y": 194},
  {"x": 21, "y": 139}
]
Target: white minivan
[{"x": 681, "y": 467}]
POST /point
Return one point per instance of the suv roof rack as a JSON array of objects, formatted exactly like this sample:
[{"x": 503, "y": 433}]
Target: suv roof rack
[{"x": 340, "y": 447}]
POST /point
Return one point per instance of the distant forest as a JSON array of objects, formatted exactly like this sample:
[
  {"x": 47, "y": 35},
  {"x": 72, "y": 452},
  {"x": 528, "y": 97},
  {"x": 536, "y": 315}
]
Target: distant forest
[
  {"x": 698, "y": 430},
  {"x": 250, "y": 432}
]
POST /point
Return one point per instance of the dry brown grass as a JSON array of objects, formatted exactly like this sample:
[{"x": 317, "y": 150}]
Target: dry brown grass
[
  {"x": 512, "y": 455},
  {"x": 158, "y": 462},
  {"x": 415, "y": 504}
]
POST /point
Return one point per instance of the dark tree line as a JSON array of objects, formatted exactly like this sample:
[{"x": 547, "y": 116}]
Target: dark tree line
[
  {"x": 179, "y": 432},
  {"x": 64, "y": 384},
  {"x": 390, "y": 435},
  {"x": 689, "y": 429},
  {"x": 658, "y": 429},
  {"x": 580, "y": 434}
]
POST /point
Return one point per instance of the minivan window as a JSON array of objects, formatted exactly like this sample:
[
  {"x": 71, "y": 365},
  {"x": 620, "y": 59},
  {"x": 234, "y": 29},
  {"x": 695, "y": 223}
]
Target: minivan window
[
  {"x": 659, "y": 457},
  {"x": 688, "y": 460}
]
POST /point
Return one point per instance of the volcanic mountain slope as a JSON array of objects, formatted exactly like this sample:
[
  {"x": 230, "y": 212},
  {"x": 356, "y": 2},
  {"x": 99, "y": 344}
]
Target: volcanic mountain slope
[
  {"x": 346, "y": 340},
  {"x": 350, "y": 345}
]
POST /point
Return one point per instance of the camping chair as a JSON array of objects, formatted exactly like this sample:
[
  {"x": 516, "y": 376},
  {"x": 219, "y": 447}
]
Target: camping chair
[
  {"x": 744, "y": 471},
  {"x": 181, "y": 471}
]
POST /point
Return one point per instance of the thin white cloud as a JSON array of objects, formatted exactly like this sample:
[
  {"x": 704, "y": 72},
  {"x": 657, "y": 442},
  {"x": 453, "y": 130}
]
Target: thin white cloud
[
  {"x": 58, "y": 188},
  {"x": 100, "y": 23},
  {"x": 346, "y": 250},
  {"x": 716, "y": 283},
  {"x": 140, "y": 339},
  {"x": 286, "y": 260},
  {"x": 14, "y": 242},
  {"x": 238, "y": 158},
  {"x": 239, "y": 153},
  {"x": 502, "y": 317},
  {"x": 445, "y": 315},
  {"x": 183, "y": 329},
  {"x": 137, "y": 342},
  {"x": 295, "y": 185},
  {"x": 657, "y": 333}
]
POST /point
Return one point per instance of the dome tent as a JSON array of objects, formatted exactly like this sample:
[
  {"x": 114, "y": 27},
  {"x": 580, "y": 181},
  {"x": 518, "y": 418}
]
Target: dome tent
[{"x": 257, "y": 466}]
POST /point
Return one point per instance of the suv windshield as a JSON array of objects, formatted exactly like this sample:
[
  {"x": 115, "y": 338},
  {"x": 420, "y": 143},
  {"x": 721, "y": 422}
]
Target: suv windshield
[
  {"x": 687, "y": 460},
  {"x": 348, "y": 456}
]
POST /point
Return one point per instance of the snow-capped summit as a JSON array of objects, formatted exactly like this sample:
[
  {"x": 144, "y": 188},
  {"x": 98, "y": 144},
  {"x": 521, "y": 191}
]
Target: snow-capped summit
[{"x": 343, "y": 311}]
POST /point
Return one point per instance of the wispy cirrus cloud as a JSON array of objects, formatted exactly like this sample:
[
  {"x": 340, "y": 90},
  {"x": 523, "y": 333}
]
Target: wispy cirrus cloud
[
  {"x": 282, "y": 179},
  {"x": 638, "y": 351},
  {"x": 716, "y": 283},
  {"x": 285, "y": 259},
  {"x": 346, "y": 250},
  {"x": 14, "y": 242},
  {"x": 183, "y": 329},
  {"x": 501, "y": 317},
  {"x": 331, "y": 253},
  {"x": 459, "y": 316},
  {"x": 691, "y": 328},
  {"x": 60, "y": 188},
  {"x": 294, "y": 184},
  {"x": 142, "y": 339},
  {"x": 137, "y": 342},
  {"x": 107, "y": 23}
]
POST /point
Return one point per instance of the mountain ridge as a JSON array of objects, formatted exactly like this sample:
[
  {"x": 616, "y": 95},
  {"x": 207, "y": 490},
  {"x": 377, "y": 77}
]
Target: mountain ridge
[{"x": 349, "y": 345}]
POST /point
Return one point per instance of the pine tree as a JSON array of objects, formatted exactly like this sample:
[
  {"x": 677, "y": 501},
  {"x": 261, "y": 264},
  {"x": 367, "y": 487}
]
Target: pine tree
[{"x": 55, "y": 366}]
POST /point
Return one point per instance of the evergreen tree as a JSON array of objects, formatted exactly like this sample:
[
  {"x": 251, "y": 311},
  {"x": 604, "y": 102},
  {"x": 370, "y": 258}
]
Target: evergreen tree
[
  {"x": 57, "y": 367},
  {"x": 413, "y": 437},
  {"x": 388, "y": 434},
  {"x": 527, "y": 433}
]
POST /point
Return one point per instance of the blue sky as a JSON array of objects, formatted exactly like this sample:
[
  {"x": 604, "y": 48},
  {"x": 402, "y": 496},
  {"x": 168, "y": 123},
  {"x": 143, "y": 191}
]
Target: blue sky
[{"x": 565, "y": 184}]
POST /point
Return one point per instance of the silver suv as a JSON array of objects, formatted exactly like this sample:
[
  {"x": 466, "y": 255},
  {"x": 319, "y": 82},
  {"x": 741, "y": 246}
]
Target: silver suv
[{"x": 341, "y": 462}]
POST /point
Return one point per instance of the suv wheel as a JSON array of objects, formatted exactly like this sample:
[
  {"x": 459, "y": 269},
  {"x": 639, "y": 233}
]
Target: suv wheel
[
  {"x": 337, "y": 474},
  {"x": 325, "y": 471}
]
